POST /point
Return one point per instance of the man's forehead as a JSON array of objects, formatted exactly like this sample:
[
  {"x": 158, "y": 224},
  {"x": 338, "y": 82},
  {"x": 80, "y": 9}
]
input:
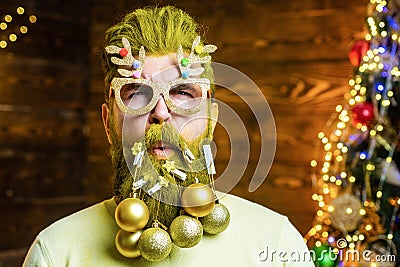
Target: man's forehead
[{"x": 161, "y": 68}]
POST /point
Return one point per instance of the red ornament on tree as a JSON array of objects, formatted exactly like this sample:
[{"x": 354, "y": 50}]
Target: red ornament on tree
[
  {"x": 358, "y": 51},
  {"x": 363, "y": 113}
]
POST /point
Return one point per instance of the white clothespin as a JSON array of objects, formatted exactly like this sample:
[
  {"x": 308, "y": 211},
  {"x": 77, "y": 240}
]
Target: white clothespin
[{"x": 209, "y": 159}]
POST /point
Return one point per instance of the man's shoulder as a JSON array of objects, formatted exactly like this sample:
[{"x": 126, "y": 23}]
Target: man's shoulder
[
  {"x": 241, "y": 205},
  {"x": 241, "y": 208}
]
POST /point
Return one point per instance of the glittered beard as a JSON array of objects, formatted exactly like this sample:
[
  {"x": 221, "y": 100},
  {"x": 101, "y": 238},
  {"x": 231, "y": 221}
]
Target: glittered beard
[{"x": 169, "y": 207}]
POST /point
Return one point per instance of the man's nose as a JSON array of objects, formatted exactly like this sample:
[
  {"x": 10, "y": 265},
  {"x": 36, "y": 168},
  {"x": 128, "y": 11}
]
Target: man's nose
[{"x": 160, "y": 113}]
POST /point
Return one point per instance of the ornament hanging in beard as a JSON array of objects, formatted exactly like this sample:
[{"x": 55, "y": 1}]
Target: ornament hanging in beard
[
  {"x": 152, "y": 168},
  {"x": 153, "y": 242}
]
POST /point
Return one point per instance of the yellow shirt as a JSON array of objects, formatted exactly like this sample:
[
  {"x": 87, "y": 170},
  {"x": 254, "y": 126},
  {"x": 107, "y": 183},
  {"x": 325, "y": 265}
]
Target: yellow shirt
[{"x": 256, "y": 236}]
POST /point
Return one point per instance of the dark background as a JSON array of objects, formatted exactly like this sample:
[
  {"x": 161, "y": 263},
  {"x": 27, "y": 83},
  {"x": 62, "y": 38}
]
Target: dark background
[{"x": 53, "y": 150}]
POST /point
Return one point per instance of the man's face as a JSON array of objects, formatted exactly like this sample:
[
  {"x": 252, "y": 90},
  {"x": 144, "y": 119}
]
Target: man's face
[
  {"x": 131, "y": 128},
  {"x": 123, "y": 130}
]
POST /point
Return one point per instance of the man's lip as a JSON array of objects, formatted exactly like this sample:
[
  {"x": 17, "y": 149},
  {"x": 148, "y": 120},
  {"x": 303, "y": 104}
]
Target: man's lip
[
  {"x": 161, "y": 150},
  {"x": 161, "y": 146}
]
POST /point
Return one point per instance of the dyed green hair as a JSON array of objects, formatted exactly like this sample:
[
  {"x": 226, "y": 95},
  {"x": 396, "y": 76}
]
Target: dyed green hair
[{"x": 159, "y": 29}]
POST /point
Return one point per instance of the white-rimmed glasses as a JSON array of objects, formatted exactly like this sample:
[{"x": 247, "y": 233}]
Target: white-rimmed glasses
[{"x": 139, "y": 96}]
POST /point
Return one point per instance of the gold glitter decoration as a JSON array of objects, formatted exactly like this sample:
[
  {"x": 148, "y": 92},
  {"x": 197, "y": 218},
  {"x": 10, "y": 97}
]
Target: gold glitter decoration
[
  {"x": 132, "y": 214},
  {"x": 127, "y": 243},
  {"x": 127, "y": 60},
  {"x": 346, "y": 212},
  {"x": 217, "y": 221},
  {"x": 194, "y": 57},
  {"x": 130, "y": 77},
  {"x": 186, "y": 231},
  {"x": 160, "y": 88},
  {"x": 155, "y": 244}
]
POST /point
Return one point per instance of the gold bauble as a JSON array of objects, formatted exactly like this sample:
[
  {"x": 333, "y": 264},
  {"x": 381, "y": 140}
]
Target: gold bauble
[
  {"x": 186, "y": 231},
  {"x": 217, "y": 221},
  {"x": 132, "y": 214},
  {"x": 198, "y": 200},
  {"x": 345, "y": 214},
  {"x": 127, "y": 243},
  {"x": 155, "y": 244}
]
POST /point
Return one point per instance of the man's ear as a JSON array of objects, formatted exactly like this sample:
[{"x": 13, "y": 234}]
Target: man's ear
[
  {"x": 105, "y": 115},
  {"x": 214, "y": 115}
]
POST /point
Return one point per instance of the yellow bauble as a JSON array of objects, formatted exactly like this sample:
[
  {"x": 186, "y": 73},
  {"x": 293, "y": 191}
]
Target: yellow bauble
[
  {"x": 198, "y": 200},
  {"x": 132, "y": 214},
  {"x": 186, "y": 231},
  {"x": 155, "y": 244},
  {"x": 127, "y": 243},
  {"x": 217, "y": 221}
]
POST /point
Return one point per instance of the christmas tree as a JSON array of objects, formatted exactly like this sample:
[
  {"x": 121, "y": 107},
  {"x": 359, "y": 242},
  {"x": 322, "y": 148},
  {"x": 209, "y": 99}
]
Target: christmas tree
[{"x": 356, "y": 179}]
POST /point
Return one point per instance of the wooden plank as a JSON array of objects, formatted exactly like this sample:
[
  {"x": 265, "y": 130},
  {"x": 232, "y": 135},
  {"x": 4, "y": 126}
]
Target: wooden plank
[
  {"x": 44, "y": 77},
  {"x": 13, "y": 257},
  {"x": 42, "y": 175},
  {"x": 43, "y": 130},
  {"x": 23, "y": 222},
  {"x": 42, "y": 84},
  {"x": 280, "y": 33}
]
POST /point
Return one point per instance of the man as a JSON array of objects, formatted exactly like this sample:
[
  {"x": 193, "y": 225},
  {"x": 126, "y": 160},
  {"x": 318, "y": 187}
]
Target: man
[{"x": 159, "y": 118}]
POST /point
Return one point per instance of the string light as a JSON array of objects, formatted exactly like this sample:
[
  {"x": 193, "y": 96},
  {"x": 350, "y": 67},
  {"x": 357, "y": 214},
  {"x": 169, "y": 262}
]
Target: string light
[
  {"x": 3, "y": 44},
  {"x": 12, "y": 37},
  {"x": 313, "y": 163},
  {"x": 20, "y": 10},
  {"x": 334, "y": 174},
  {"x": 6, "y": 25},
  {"x": 8, "y": 18}
]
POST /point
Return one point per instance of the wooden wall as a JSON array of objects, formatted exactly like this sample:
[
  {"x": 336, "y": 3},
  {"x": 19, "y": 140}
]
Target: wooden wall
[
  {"x": 44, "y": 78},
  {"x": 53, "y": 150}
]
